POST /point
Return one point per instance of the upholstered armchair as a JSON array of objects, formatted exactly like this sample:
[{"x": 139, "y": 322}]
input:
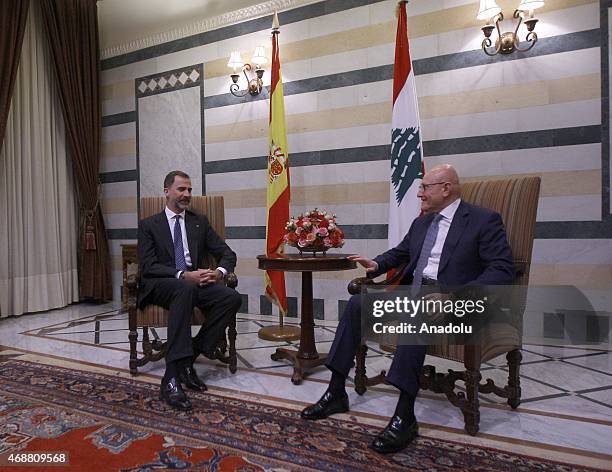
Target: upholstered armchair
[
  {"x": 516, "y": 200},
  {"x": 153, "y": 316}
]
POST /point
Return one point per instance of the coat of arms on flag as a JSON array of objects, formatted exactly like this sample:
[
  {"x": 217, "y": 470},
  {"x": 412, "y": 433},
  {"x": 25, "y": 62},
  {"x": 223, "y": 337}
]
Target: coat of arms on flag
[{"x": 277, "y": 162}]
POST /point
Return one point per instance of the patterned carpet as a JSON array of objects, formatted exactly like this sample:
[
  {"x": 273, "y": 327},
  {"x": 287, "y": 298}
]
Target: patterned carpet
[{"x": 112, "y": 423}]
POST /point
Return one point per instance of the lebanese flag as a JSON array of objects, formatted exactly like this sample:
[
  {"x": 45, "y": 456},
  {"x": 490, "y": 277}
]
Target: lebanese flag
[
  {"x": 406, "y": 147},
  {"x": 278, "y": 192}
]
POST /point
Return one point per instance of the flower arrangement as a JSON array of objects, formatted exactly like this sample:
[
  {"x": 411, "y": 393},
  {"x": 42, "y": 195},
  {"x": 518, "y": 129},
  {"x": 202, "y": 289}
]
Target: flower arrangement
[{"x": 314, "y": 231}]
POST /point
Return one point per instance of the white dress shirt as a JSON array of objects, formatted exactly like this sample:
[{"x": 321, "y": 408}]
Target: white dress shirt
[{"x": 431, "y": 269}]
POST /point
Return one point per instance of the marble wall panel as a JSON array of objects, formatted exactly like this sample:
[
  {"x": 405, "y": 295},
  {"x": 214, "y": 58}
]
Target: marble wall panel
[
  {"x": 118, "y": 189},
  {"x": 169, "y": 138},
  {"x": 114, "y": 164},
  {"x": 120, "y": 220},
  {"x": 563, "y": 115},
  {"x": 372, "y": 213},
  {"x": 572, "y": 251},
  {"x": 570, "y": 208},
  {"x": 118, "y": 132},
  {"x": 342, "y": 138},
  {"x": 116, "y": 105},
  {"x": 523, "y": 161}
]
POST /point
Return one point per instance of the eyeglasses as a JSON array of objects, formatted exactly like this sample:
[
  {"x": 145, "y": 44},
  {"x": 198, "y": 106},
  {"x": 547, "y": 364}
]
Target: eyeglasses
[{"x": 424, "y": 187}]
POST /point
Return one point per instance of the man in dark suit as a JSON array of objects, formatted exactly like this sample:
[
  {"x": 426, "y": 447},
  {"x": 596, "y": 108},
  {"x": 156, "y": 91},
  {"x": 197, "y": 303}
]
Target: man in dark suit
[
  {"x": 171, "y": 248},
  {"x": 452, "y": 243}
]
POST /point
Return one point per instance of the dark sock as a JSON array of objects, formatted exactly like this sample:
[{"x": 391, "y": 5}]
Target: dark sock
[
  {"x": 336, "y": 384},
  {"x": 184, "y": 362},
  {"x": 197, "y": 350},
  {"x": 405, "y": 407},
  {"x": 171, "y": 370}
]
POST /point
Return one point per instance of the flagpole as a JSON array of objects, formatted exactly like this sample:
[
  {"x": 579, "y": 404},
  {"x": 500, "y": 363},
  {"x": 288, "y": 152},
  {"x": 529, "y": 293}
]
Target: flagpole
[{"x": 275, "y": 289}]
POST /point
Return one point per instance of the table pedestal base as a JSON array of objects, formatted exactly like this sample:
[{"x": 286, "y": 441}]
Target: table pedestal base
[
  {"x": 300, "y": 365},
  {"x": 279, "y": 333}
]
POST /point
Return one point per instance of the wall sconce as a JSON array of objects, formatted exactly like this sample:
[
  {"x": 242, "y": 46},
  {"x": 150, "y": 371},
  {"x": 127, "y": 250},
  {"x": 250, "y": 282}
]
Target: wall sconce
[
  {"x": 507, "y": 42},
  {"x": 254, "y": 83}
]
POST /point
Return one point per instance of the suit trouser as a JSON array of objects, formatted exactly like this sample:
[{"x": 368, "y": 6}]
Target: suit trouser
[
  {"x": 180, "y": 297},
  {"x": 407, "y": 362}
]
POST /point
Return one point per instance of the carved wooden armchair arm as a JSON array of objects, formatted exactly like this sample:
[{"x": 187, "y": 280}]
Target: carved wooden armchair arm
[{"x": 356, "y": 285}]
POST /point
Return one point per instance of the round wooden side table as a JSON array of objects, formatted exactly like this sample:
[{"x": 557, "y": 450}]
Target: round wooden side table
[{"x": 307, "y": 356}]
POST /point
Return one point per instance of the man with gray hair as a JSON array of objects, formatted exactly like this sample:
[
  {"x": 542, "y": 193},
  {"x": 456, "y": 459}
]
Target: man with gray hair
[{"x": 451, "y": 244}]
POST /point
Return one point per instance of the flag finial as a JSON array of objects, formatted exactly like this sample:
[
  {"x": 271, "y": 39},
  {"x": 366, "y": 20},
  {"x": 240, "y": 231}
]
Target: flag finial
[
  {"x": 397, "y": 7},
  {"x": 275, "y": 23}
]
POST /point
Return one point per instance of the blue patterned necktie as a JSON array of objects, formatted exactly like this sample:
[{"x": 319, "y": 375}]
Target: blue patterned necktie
[
  {"x": 179, "y": 251},
  {"x": 428, "y": 244}
]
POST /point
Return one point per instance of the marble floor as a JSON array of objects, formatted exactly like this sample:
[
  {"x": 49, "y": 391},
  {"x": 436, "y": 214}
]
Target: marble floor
[{"x": 565, "y": 414}]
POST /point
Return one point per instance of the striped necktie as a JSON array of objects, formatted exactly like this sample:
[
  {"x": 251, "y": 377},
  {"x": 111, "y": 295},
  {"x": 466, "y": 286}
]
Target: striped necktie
[{"x": 428, "y": 244}]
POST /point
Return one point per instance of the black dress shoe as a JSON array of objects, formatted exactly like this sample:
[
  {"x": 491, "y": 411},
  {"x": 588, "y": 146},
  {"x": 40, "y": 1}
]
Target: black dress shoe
[
  {"x": 189, "y": 377},
  {"x": 396, "y": 436},
  {"x": 213, "y": 355},
  {"x": 328, "y": 404},
  {"x": 171, "y": 392}
]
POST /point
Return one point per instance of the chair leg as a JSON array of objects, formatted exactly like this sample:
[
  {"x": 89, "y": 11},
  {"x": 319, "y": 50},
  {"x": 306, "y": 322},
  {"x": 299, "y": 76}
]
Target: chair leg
[
  {"x": 231, "y": 334},
  {"x": 360, "y": 369},
  {"x": 471, "y": 410},
  {"x": 147, "y": 347},
  {"x": 133, "y": 338},
  {"x": 514, "y": 358},
  {"x": 471, "y": 405}
]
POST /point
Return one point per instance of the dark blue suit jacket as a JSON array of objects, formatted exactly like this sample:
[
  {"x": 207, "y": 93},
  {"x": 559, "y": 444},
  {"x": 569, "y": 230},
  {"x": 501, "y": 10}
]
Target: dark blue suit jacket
[
  {"x": 476, "y": 249},
  {"x": 156, "y": 249}
]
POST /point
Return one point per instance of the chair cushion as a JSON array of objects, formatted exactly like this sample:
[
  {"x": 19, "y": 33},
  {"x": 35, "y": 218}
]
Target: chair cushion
[{"x": 157, "y": 317}]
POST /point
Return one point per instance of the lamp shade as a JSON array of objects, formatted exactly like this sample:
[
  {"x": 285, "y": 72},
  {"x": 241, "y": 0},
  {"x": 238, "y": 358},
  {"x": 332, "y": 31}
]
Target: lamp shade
[
  {"x": 488, "y": 9},
  {"x": 259, "y": 56},
  {"x": 235, "y": 61},
  {"x": 527, "y": 5}
]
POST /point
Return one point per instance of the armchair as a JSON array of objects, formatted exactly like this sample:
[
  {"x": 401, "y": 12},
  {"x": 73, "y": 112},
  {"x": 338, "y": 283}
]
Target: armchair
[
  {"x": 153, "y": 316},
  {"x": 516, "y": 200}
]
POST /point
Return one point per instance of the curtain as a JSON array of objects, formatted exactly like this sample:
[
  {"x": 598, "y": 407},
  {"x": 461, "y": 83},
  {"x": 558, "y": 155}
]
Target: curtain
[
  {"x": 38, "y": 226},
  {"x": 13, "y": 14},
  {"x": 72, "y": 30}
]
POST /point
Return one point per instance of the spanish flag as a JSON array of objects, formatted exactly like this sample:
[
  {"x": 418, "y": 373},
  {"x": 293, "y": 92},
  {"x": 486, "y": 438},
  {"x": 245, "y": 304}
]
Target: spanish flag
[{"x": 278, "y": 179}]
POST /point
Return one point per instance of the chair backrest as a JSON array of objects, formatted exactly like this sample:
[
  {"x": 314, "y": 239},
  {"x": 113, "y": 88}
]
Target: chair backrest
[
  {"x": 516, "y": 200},
  {"x": 211, "y": 206}
]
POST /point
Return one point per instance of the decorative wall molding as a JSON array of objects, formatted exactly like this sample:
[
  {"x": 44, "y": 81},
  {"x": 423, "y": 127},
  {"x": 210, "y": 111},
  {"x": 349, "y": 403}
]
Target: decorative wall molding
[
  {"x": 203, "y": 25},
  {"x": 189, "y": 76}
]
